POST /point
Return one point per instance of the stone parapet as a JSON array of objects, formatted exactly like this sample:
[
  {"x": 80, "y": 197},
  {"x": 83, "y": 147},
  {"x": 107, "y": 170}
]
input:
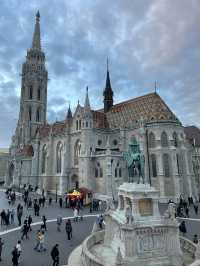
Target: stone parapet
[{"x": 87, "y": 258}]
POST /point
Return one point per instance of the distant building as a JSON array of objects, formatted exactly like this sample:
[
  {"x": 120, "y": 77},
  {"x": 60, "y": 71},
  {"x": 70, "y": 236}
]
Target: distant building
[
  {"x": 87, "y": 148},
  {"x": 4, "y": 157}
]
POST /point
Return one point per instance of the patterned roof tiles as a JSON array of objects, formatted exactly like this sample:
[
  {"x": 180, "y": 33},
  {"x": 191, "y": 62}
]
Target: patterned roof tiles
[{"x": 149, "y": 107}]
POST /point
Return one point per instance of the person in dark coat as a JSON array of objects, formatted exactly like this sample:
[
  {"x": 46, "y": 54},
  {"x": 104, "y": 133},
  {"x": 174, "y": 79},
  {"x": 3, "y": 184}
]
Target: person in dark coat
[
  {"x": 25, "y": 230},
  {"x": 30, "y": 220},
  {"x": 55, "y": 255},
  {"x": 44, "y": 224},
  {"x": 60, "y": 202},
  {"x": 68, "y": 228},
  {"x": 182, "y": 228},
  {"x": 15, "y": 257},
  {"x": 1, "y": 247}
]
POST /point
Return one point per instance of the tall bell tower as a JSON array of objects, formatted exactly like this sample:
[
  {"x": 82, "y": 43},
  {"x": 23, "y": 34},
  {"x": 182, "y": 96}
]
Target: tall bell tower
[{"x": 33, "y": 102}]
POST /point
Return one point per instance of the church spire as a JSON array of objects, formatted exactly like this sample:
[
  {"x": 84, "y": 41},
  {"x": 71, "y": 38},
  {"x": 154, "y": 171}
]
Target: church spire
[
  {"x": 108, "y": 92},
  {"x": 108, "y": 83},
  {"x": 87, "y": 101},
  {"x": 69, "y": 113},
  {"x": 36, "y": 44}
]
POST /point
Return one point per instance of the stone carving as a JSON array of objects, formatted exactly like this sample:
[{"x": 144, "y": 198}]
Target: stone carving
[
  {"x": 170, "y": 212},
  {"x": 129, "y": 216}
]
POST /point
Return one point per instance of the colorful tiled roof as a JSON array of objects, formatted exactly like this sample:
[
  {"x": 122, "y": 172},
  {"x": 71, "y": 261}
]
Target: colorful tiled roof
[
  {"x": 149, "y": 107},
  {"x": 99, "y": 119}
]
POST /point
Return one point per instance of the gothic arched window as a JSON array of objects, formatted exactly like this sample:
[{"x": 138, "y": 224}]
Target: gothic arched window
[
  {"x": 39, "y": 94},
  {"x": 175, "y": 139},
  {"x": 59, "y": 150},
  {"x": 152, "y": 140},
  {"x": 153, "y": 166},
  {"x": 164, "y": 139},
  {"x": 77, "y": 151},
  {"x": 98, "y": 170},
  {"x": 44, "y": 159},
  {"x": 31, "y": 92},
  {"x": 76, "y": 124},
  {"x": 38, "y": 115},
  {"x": 166, "y": 165},
  {"x": 30, "y": 113},
  {"x": 115, "y": 172}
]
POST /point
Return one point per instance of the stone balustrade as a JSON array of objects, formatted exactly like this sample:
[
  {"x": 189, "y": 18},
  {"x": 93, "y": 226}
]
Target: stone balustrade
[
  {"x": 87, "y": 257},
  {"x": 188, "y": 246}
]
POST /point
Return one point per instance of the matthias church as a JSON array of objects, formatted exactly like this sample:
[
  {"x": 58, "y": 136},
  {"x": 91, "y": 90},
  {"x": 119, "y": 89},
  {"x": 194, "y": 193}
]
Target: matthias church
[{"x": 87, "y": 149}]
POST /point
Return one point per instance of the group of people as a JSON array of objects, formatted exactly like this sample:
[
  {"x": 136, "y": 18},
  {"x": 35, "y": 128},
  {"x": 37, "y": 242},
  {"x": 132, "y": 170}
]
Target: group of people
[
  {"x": 184, "y": 206},
  {"x": 32, "y": 202}
]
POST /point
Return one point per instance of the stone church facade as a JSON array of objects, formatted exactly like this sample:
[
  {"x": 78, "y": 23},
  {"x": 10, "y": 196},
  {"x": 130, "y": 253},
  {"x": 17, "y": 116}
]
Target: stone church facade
[{"x": 87, "y": 148}]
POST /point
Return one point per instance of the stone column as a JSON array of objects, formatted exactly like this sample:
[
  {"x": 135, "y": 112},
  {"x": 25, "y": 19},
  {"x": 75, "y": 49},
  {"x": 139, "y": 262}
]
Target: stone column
[
  {"x": 156, "y": 211},
  {"x": 109, "y": 184},
  {"x": 63, "y": 183},
  {"x": 187, "y": 174},
  {"x": 135, "y": 208},
  {"x": 160, "y": 173},
  {"x": 175, "y": 176}
]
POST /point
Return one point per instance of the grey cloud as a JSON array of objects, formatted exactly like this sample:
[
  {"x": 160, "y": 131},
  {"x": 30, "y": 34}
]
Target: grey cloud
[{"x": 145, "y": 41}]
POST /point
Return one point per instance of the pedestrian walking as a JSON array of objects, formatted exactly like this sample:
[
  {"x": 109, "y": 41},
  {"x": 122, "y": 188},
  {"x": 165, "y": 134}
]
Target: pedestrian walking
[
  {"x": 30, "y": 220},
  {"x": 1, "y": 247},
  {"x": 187, "y": 212},
  {"x": 59, "y": 223},
  {"x": 75, "y": 214},
  {"x": 41, "y": 242},
  {"x": 38, "y": 236},
  {"x": 68, "y": 228},
  {"x": 55, "y": 255},
  {"x": 182, "y": 228},
  {"x": 195, "y": 239},
  {"x": 196, "y": 209},
  {"x": 12, "y": 216},
  {"x": 60, "y": 202},
  {"x": 25, "y": 230},
  {"x": 19, "y": 214},
  {"x": 19, "y": 249},
  {"x": 3, "y": 217},
  {"x": 15, "y": 257},
  {"x": 44, "y": 224},
  {"x": 50, "y": 201}
]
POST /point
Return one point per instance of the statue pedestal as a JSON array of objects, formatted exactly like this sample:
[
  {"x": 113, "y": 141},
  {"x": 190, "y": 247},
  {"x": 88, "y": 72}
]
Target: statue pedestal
[{"x": 136, "y": 227}]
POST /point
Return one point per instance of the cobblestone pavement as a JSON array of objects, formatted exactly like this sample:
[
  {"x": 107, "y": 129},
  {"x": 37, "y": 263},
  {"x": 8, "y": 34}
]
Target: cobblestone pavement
[
  {"x": 51, "y": 212},
  {"x": 30, "y": 257},
  {"x": 80, "y": 231}
]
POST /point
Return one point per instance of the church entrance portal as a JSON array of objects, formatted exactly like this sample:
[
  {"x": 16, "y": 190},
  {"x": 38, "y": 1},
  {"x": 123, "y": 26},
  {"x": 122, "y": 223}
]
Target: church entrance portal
[{"x": 74, "y": 182}]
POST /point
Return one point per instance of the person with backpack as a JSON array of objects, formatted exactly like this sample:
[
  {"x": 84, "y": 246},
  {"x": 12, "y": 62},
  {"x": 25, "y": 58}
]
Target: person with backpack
[{"x": 55, "y": 255}]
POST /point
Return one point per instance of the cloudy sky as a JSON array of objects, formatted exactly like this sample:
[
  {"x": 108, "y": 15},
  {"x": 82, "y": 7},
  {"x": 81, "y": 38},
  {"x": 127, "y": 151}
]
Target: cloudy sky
[{"x": 145, "y": 41}]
